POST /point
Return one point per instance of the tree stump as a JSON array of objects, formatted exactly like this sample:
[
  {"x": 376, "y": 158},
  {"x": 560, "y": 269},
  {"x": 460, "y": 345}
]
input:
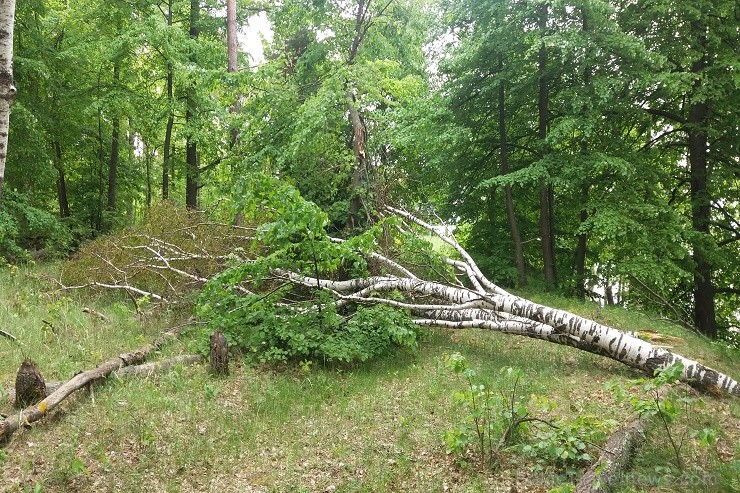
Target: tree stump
[
  {"x": 30, "y": 387},
  {"x": 219, "y": 354}
]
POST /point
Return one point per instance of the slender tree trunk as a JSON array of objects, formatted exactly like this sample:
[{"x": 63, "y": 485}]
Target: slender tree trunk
[
  {"x": 231, "y": 40},
  {"x": 170, "y": 119},
  {"x": 704, "y": 309},
  {"x": 167, "y": 154},
  {"x": 547, "y": 230},
  {"x": 192, "y": 178},
  {"x": 232, "y": 63},
  {"x": 61, "y": 182},
  {"x": 98, "y": 226},
  {"x": 359, "y": 131},
  {"x": 114, "y": 147},
  {"x": 191, "y": 160},
  {"x": 360, "y": 168},
  {"x": 510, "y": 212},
  {"x": 582, "y": 246},
  {"x": 148, "y": 165},
  {"x": 609, "y": 294},
  {"x": 7, "y": 84}
]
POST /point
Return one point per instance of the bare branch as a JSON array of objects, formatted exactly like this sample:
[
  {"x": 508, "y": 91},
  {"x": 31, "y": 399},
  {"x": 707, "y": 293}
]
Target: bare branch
[
  {"x": 8, "y": 335},
  {"x": 454, "y": 244}
]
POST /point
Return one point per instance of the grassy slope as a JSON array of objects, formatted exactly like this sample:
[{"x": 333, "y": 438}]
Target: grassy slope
[{"x": 372, "y": 428}]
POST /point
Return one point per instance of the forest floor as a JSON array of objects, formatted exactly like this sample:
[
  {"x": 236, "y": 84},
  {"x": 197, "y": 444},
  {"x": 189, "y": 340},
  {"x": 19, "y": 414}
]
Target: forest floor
[{"x": 375, "y": 427}]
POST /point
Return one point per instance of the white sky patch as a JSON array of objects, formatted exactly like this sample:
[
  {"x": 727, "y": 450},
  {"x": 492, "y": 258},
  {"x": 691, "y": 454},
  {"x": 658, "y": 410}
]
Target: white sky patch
[{"x": 257, "y": 31}]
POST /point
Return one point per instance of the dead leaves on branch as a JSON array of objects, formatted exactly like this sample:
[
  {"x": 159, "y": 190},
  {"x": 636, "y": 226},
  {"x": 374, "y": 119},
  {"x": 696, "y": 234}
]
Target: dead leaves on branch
[{"x": 173, "y": 253}]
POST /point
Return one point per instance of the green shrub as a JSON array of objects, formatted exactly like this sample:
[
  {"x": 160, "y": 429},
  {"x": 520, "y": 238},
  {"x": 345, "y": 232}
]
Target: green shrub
[
  {"x": 272, "y": 331},
  {"x": 496, "y": 421},
  {"x": 25, "y": 229},
  {"x": 286, "y": 322}
]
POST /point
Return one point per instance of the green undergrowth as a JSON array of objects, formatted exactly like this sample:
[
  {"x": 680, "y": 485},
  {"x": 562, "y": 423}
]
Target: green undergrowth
[{"x": 376, "y": 426}]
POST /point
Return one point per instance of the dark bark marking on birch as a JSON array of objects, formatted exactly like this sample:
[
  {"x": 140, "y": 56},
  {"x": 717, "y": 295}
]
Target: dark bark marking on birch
[
  {"x": 611, "y": 342},
  {"x": 656, "y": 362},
  {"x": 619, "y": 342}
]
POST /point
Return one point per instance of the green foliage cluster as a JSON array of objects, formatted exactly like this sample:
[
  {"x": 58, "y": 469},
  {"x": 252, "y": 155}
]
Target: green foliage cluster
[
  {"x": 271, "y": 333},
  {"x": 281, "y": 322},
  {"x": 26, "y": 229},
  {"x": 499, "y": 420},
  {"x": 587, "y": 118}
]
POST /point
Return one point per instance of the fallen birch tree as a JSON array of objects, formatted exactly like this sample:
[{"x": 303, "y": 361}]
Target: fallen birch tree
[
  {"x": 297, "y": 274},
  {"x": 481, "y": 304}
]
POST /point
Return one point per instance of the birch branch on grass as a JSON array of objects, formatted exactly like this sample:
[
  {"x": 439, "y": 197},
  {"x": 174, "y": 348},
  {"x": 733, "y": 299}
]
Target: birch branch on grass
[{"x": 12, "y": 423}]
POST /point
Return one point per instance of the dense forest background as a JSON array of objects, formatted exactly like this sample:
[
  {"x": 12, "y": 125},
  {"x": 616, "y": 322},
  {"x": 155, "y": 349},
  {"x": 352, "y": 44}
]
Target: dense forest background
[{"x": 583, "y": 146}]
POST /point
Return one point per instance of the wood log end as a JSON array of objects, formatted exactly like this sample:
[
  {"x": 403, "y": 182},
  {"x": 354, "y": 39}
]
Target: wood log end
[
  {"x": 30, "y": 386},
  {"x": 219, "y": 354}
]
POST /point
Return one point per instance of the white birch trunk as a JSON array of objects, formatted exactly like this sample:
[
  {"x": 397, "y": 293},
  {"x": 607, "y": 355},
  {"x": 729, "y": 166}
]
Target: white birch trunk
[
  {"x": 7, "y": 84},
  {"x": 511, "y": 314},
  {"x": 487, "y": 306},
  {"x": 473, "y": 302}
]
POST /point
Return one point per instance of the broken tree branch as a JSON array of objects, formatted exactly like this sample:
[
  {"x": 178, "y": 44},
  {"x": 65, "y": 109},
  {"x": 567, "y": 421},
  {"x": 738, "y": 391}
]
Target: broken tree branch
[
  {"x": 35, "y": 413},
  {"x": 470, "y": 301},
  {"x": 142, "y": 370},
  {"x": 147, "y": 369},
  {"x": 95, "y": 313},
  {"x": 8, "y": 335}
]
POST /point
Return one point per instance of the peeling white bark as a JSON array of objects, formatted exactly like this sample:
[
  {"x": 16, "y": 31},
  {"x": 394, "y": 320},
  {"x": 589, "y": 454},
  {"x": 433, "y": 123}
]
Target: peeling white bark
[
  {"x": 525, "y": 318},
  {"x": 491, "y": 287}
]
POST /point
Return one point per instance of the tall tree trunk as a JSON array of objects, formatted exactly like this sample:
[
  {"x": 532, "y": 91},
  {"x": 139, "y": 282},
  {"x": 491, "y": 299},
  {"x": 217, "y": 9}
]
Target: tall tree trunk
[
  {"x": 547, "y": 229},
  {"x": 231, "y": 41},
  {"x": 359, "y": 131},
  {"x": 704, "y": 309},
  {"x": 98, "y": 218},
  {"x": 61, "y": 182},
  {"x": 360, "y": 168},
  {"x": 513, "y": 224},
  {"x": 192, "y": 178},
  {"x": 582, "y": 246},
  {"x": 114, "y": 147},
  {"x": 167, "y": 156},
  {"x": 148, "y": 165},
  {"x": 232, "y": 62},
  {"x": 7, "y": 84}
]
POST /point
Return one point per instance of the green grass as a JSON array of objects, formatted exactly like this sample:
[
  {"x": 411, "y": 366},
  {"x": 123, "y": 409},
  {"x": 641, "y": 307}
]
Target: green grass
[{"x": 371, "y": 428}]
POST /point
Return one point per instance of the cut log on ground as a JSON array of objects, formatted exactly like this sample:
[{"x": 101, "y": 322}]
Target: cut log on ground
[
  {"x": 142, "y": 370},
  {"x": 34, "y": 413},
  {"x": 608, "y": 472}
]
